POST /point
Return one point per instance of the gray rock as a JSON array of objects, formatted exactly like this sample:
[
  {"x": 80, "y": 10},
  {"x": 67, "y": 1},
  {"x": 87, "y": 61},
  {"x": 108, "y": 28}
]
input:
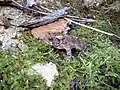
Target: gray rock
[{"x": 9, "y": 37}]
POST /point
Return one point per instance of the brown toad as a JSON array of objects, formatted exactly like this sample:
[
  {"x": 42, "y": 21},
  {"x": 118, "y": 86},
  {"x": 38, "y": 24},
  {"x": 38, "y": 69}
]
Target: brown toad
[{"x": 67, "y": 42}]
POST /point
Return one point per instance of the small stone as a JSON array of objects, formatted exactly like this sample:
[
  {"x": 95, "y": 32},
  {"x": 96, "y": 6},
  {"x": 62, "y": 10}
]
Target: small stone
[{"x": 48, "y": 71}]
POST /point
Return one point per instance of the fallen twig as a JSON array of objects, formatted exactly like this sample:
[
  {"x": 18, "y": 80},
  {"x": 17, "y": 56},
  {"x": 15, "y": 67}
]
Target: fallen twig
[
  {"x": 28, "y": 8},
  {"x": 13, "y": 3},
  {"x": 46, "y": 9},
  {"x": 51, "y": 17},
  {"x": 95, "y": 29},
  {"x": 69, "y": 16}
]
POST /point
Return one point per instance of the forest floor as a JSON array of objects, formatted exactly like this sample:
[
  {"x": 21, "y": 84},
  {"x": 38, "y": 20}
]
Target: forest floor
[{"x": 97, "y": 68}]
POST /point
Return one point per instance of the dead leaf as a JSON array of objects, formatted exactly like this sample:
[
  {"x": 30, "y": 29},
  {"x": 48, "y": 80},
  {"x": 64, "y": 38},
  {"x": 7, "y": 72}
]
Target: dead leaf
[{"x": 57, "y": 26}]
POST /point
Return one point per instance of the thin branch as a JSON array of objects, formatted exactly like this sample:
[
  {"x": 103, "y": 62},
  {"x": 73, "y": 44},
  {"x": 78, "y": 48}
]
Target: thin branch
[
  {"x": 28, "y": 8},
  {"x": 45, "y": 8},
  {"x": 69, "y": 16},
  {"x": 95, "y": 29}
]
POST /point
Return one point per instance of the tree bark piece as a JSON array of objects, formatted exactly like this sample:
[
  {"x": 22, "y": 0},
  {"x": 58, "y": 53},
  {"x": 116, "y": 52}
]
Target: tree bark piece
[{"x": 51, "y": 17}]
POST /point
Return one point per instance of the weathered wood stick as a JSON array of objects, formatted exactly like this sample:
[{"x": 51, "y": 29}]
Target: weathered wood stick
[
  {"x": 95, "y": 29},
  {"x": 51, "y": 17},
  {"x": 13, "y": 3}
]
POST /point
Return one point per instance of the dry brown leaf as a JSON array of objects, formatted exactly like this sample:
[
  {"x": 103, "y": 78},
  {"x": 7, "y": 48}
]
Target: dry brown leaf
[{"x": 57, "y": 26}]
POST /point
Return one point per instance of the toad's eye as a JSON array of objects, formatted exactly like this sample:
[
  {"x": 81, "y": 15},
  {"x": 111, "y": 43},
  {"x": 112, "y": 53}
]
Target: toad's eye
[{"x": 51, "y": 39}]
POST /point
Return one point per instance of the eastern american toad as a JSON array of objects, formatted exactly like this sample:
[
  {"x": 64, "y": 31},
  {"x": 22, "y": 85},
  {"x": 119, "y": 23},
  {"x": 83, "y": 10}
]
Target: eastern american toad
[{"x": 67, "y": 42}]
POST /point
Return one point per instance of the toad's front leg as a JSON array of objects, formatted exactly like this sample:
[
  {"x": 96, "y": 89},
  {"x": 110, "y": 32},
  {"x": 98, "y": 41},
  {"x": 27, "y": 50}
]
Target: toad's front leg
[{"x": 69, "y": 52}]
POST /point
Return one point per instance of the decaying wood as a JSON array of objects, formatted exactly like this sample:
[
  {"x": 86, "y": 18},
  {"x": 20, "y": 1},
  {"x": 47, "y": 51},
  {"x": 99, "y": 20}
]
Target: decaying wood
[{"x": 51, "y": 17}]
